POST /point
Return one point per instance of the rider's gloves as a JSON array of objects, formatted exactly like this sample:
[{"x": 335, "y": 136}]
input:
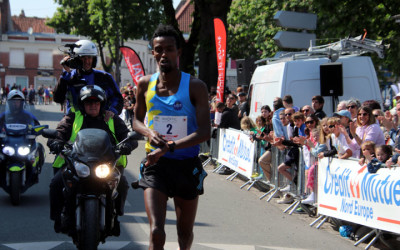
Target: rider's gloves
[
  {"x": 56, "y": 146},
  {"x": 125, "y": 149}
]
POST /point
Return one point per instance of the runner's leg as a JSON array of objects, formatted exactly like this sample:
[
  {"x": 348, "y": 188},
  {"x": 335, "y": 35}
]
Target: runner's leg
[
  {"x": 185, "y": 218},
  {"x": 156, "y": 209}
]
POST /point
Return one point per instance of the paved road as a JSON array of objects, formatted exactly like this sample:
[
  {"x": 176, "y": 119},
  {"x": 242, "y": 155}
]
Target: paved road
[{"x": 228, "y": 217}]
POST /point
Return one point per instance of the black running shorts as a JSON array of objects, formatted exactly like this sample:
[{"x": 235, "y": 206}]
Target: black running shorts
[{"x": 181, "y": 178}]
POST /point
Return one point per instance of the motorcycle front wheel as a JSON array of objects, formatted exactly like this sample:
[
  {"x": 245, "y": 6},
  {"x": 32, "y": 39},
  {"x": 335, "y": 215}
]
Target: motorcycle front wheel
[
  {"x": 15, "y": 187},
  {"x": 89, "y": 234}
]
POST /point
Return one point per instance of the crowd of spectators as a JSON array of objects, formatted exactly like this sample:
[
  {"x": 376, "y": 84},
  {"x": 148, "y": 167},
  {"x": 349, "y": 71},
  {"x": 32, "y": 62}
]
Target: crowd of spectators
[{"x": 359, "y": 130}]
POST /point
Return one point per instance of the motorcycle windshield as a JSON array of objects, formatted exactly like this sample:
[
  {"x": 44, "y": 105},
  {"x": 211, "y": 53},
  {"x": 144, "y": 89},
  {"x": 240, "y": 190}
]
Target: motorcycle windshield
[
  {"x": 17, "y": 118},
  {"x": 94, "y": 145}
]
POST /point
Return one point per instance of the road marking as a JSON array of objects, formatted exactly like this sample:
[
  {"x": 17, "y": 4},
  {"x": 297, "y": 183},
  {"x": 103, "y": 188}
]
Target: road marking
[
  {"x": 143, "y": 225},
  {"x": 115, "y": 245}
]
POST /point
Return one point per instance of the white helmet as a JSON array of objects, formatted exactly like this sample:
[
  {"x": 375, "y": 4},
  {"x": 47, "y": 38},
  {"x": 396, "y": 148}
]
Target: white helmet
[
  {"x": 15, "y": 94},
  {"x": 86, "y": 48}
]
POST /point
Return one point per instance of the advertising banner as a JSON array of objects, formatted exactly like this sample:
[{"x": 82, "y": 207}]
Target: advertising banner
[
  {"x": 349, "y": 192},
  {"x": 220, "y": 46},
  {"x": 133, "y": 62},
  {"x": 236, "y": 151}
]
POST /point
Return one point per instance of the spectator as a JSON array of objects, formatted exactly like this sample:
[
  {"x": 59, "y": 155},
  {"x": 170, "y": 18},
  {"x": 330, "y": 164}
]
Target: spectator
[
  {"x": 247, "y": 125},
  {"x": 307, "y": 110},
  {"x": 290, "y": 126},
  {"x": 325, "y": 136},
  {"x": 366, "y": 130},
  {"x": 367, "y": 148},
  {"x": 338, "y": 139},
  {"x": 231, "y": 104},
  {"x": 353, "y": 105},
  {"x": 317, "y": 145},
  {"x": 341, "y": 106},
  {"x": 41, "y": 95},
  {"x": 288, "y": 102},
  {"x": 31, "y": 95},
  {"x": 46, "y": 96},
  {"x": 318, "y": 105},
  {"x": 382, "y": 154},
  {"x": 266, "y": 136},
  {"x": 243, "y": 105},
  {"x": 292, "y": 157},
  {"x": 279, "y": 130},
  {"x": 345, "y": 118},
  {"x": 229, "y": 118},
  {"x": 311, "y": 122},
  {"x": 372, "y": 104}
]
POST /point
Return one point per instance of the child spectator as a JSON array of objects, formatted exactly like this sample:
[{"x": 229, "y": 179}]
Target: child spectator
[
  {"x": 338, "y": 139},
  {"x": 368, "y": 146},
  {"x": 316, "y": 148},
  {"x": 247, "y": 125},
  {"x": 383, "y": 153}
]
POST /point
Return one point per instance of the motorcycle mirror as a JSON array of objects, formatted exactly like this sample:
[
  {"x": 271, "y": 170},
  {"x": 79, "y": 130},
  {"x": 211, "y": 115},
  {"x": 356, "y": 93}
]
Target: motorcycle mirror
[{"x": 49, "y": 133}]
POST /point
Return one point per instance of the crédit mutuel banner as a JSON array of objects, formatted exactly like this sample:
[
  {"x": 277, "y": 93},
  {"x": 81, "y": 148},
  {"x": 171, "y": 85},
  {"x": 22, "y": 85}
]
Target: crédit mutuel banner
[
  {"x": 133, "y": 62},
  {"x": 220, "y": 46},
  {"x": 236, "y": 151},
  {"x": 348, "y": 191}
]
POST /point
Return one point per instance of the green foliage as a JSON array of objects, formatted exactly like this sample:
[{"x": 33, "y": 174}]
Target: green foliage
[
  {"x": 251, "y": 26},
  {"x": 108, "y": 22}
]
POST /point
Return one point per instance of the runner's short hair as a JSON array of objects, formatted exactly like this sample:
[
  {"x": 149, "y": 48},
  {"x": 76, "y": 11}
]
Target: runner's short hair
[{"x": 166, "y": 30}]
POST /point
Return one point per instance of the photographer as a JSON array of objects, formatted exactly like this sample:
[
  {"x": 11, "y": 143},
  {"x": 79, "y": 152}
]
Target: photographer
[{"x": 79, "y": 71}]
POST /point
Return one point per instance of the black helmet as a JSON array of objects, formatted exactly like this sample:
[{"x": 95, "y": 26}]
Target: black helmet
[{"x": 92, "y": 92}]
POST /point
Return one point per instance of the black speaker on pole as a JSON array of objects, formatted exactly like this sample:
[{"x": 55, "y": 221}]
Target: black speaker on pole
[
  {"x": 245, "y": 69},
  {"x": 331, "y": 79}
]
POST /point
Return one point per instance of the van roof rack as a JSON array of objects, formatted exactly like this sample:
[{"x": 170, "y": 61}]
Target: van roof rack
[{"x": 349, "y": 46}]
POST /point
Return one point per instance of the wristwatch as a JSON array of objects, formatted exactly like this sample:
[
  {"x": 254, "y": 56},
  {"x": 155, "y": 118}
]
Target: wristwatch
[{"x": 171, "y": 146}]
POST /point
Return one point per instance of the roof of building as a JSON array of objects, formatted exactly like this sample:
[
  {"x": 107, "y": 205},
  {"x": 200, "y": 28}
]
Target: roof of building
[
  {"x": 184, "y": 16},
  {"x": 38, "y": 25}
]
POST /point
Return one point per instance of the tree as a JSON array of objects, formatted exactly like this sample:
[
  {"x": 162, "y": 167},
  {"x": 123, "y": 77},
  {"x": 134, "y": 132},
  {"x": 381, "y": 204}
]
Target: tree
[
  {"x": 251, "y": 26},
  {"x": 334, "y": 17},
  {"x": 201, "y": 37},
  {"x": 109, "y": 23}
]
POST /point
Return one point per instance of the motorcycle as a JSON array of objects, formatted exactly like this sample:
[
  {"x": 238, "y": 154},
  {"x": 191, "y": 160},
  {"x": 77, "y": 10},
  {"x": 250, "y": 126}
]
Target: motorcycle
[
  {"x": 21, "y": 157},
  {"x": 91, "y": 178}
]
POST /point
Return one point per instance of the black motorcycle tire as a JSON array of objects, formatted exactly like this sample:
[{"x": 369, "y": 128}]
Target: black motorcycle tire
[
  {"x": 89, "y": 234},
  {"x": 15, "y": 187}
]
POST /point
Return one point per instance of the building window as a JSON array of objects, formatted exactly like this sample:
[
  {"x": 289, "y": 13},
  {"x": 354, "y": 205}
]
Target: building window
[
  {"x": 17, "y": 58},
  {"x": 45, "y": 59}
]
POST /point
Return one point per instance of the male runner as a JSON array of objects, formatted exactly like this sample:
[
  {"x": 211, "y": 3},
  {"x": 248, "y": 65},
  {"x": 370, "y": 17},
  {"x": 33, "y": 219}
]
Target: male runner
[{"x": 178, "y": 119}]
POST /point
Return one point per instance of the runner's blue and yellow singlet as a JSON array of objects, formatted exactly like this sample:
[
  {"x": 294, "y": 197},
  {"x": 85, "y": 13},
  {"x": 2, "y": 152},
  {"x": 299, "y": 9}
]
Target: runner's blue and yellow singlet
[{"x": 174, "y": 117}]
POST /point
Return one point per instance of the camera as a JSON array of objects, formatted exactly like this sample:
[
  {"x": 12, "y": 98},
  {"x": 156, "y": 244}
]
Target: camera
[{"x": 73, "y": 62}]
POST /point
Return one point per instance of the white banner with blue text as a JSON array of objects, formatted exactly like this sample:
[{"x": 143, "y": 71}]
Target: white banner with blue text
[
  {"x": 349, "y": 192},
  {"x": 236, "y": 151}
]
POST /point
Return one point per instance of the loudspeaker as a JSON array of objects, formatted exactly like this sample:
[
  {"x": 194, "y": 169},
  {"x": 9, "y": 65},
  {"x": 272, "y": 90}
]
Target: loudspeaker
[
  {"x": 331, "y": 79},
  {"x": 244, "y": 70}
]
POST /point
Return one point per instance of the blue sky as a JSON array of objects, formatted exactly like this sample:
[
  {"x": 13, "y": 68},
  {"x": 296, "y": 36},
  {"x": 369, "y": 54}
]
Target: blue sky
[{"x": 40, "y": 8}]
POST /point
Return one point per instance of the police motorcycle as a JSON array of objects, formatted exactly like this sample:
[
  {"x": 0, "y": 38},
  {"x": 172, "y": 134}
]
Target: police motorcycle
[
  {"x": 91, "y": 178},
  {"x": 21, "y": 157}
]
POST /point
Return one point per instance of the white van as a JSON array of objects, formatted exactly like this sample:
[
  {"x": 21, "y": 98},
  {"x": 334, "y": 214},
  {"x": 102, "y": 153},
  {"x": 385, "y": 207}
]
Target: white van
[{"x": 301, "y": 79}]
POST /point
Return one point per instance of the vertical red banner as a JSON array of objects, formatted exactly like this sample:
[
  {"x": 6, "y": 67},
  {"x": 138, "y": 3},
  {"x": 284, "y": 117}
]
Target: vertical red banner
[
  {"x": 220, "y": 45},
  {"x": 133, "y": 62}
]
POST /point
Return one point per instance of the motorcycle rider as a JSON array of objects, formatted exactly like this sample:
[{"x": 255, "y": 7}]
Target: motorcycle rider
[
  {"x": 72, "y": 80},
  {"x": 16, "y": 112},
  {"x": 92, "y": 101}
]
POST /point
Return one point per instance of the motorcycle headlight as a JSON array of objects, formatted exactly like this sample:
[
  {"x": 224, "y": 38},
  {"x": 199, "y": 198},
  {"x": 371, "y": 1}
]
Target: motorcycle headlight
[
  {"x": 102, "y": 171},
  {"x": 81, "y": 169},
  {"x": 7, "y": 150},
  {"x": 23, "y": 150}
]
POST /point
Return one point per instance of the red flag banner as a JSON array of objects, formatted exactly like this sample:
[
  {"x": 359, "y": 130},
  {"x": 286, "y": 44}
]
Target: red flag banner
[
  {"x": 133, "y": 62},
  {"x": 220, "y": 45}
]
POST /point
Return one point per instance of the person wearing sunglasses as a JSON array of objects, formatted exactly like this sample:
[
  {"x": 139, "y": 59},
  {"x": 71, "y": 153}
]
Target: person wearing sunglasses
[
  {"x": 307, "y": 110},
  {"x": 338, "y": 139},
  {"x": 352, "y": 106},
  {"x": 288, "y": 115},
  {"x": 366, "y": 130}
]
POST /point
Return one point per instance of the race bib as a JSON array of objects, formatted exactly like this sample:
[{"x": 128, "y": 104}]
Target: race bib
[{"x": 170, "y": 127}]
